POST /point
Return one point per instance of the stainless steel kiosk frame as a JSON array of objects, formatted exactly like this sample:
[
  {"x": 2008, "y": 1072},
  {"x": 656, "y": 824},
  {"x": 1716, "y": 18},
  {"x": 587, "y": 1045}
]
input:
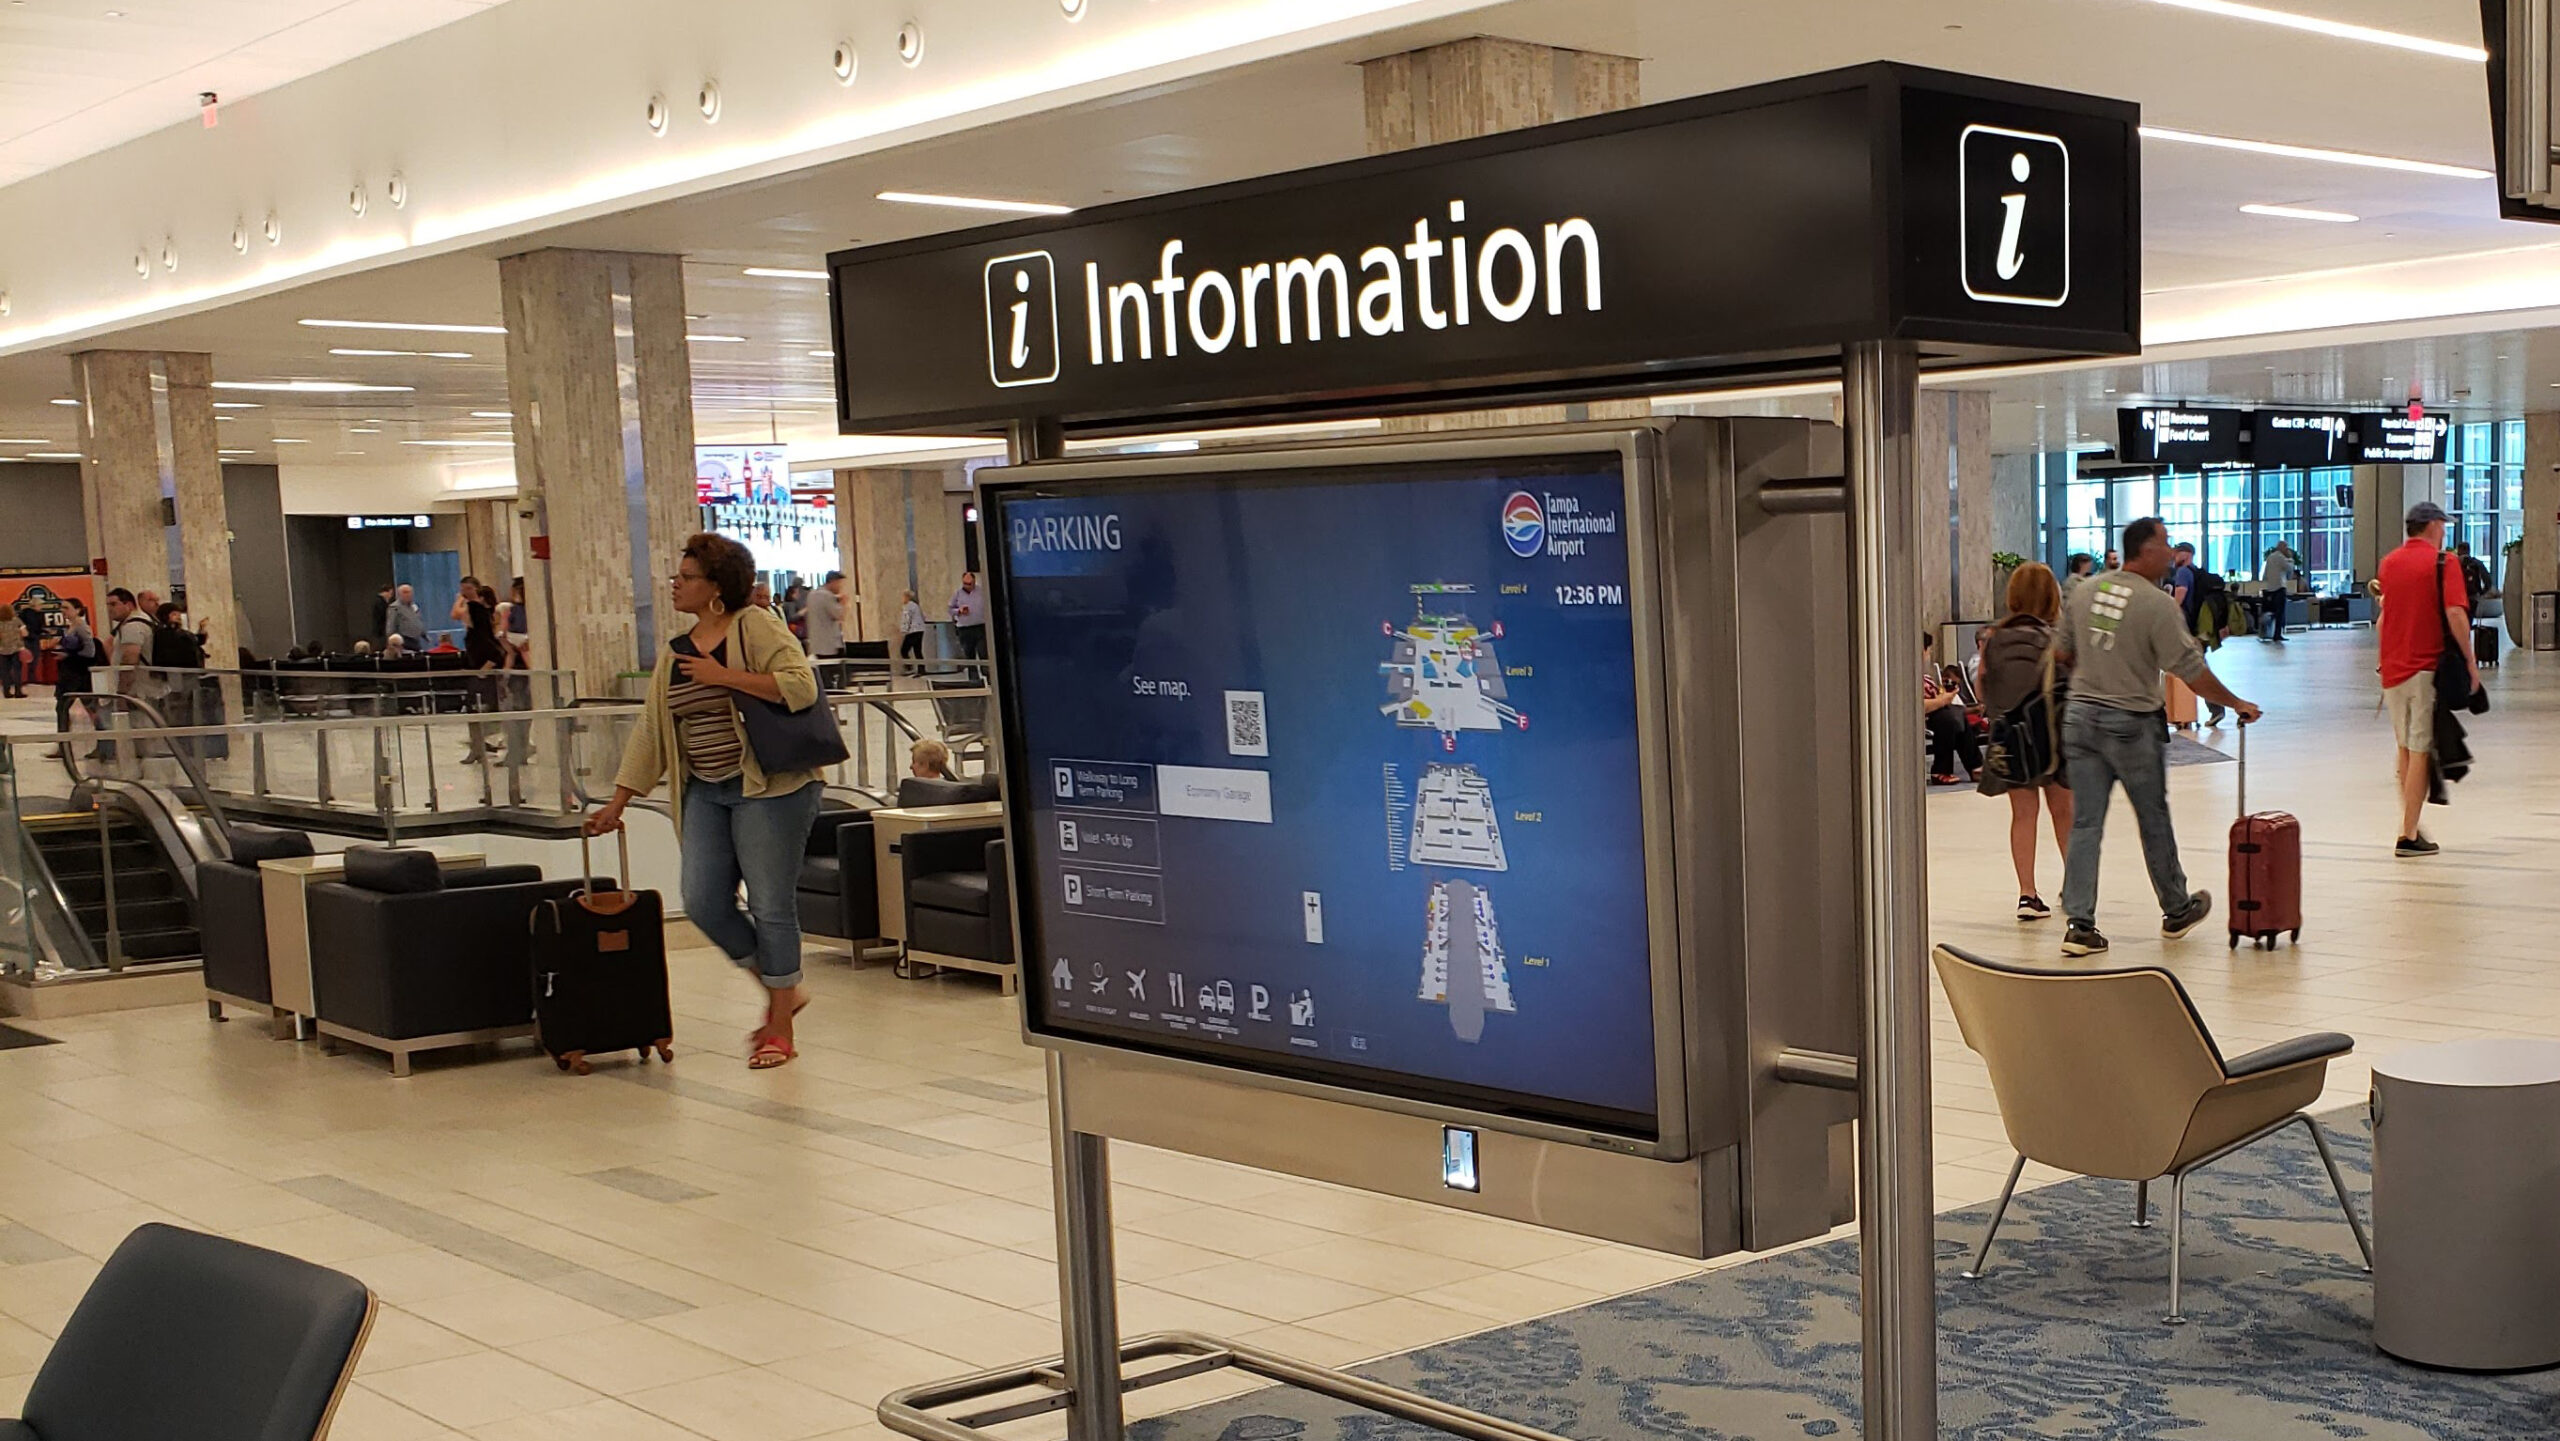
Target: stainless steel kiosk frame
[{"x": 1865, "y": 223}]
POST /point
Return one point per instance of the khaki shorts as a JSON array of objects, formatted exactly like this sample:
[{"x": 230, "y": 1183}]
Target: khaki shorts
[{"x": 2412, "y": 704}]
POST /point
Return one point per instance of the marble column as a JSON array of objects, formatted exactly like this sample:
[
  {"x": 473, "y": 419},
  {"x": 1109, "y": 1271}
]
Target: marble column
[
  {"x": 2539, "y": 562},
  {"x": 1485, "y": 85},
  {"x": 2015, "y": 479},
  {"x": 1933, "y": 509},
  {"x": 602, "y": 390},
  {"x": 1969, "y": 440},
  {"x": 487, "y": 551},
  {"x": 900, "y": 529},
  {"x": 204, "y": 512},
  {"x": 120, "y": 477},
  {"x": 2377, "y": 517}
]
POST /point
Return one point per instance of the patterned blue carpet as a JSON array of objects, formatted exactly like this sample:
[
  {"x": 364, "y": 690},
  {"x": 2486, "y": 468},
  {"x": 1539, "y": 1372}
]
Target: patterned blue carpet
[{"x": 2061, "y": 1339}]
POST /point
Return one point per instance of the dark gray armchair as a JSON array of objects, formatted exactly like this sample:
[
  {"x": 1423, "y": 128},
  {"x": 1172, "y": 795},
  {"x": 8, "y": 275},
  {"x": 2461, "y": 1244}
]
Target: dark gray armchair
[
  {"x": 839, "y": 885},
  {"x": 231, "y": 912},
  {"x": 189, "y": 1335},
  {"x": 959, "y": 902},
  {"x": 406, "y": 957}
]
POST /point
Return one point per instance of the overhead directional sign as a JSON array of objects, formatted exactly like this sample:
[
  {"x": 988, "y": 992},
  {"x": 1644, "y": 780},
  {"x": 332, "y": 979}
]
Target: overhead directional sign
[
  {"x": 2179, "y": 435},
  {"x": 1750, "y": 233}
]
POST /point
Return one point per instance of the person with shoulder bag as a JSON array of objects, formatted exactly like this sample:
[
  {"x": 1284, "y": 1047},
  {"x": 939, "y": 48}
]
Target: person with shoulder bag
[
  {"x": 737, "y": 725},
  {"x": 2024, "y": 688}
]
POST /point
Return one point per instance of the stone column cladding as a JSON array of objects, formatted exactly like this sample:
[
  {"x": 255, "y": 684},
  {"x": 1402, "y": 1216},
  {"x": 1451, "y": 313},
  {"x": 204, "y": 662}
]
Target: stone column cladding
[
  {"x": 860, "y": 605},
  {"x": 2377, "y": 517},
  {"x": 1484, "y": 86},
  {"x": 2539, "y": 562},
  {"x": 1933, "y": 508},
  {"x": 564, "y": 385},
  {"x": 1969, "y": 427},
  {"x": 486, "y": 551},
  {"x": 2014, "y": 482},
  {"x": 120, "y": 471},
  {"x": 884, "y": 558},
  {"x": 204, "y": 512}
]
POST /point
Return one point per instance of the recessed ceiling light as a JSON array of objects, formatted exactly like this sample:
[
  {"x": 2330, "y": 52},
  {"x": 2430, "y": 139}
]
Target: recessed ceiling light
[
  {"x": 414, "y": 354},
  {"x": 911, "y": 43},
  {"x": 237, "y": 405},
  {"x": 364, "y": 430},
  {"x": 53, "y": 455},
  {"x": 973, "y": 202},
  {"x": 2337, "y": 29},
  {"x": 436, "y": 326},
  {"x": 720, "y": 339},
  {"x": 282, "y": 440},
  {"x": 493, "y": 415},
  {"x": 2313, "y": 152},
  {"x": 824, "y": 354},
  {"x": 309, "y": 387},
  {"x": 2300, "y": 212},
  {"x": 465, "y": 444},
  {"x": 25, "y": 440},
  {"x": 235, "y": 452},
  {"x": 771, "y": 272},
  {"x": 845, "y": 61},
  {"x": 64, "y": 400}
]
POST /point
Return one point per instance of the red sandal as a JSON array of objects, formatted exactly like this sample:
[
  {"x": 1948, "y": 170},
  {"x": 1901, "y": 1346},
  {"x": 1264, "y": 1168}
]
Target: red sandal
[{"x": 771, "y": 1051}]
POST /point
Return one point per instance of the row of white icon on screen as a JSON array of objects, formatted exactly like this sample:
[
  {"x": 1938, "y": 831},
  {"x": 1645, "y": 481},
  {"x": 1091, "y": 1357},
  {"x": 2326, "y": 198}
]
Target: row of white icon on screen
[{"x": 1214, "y": 998}]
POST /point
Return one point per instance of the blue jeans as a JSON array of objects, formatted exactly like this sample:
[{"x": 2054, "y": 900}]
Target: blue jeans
[
  {"x": 729, "y": 837},
  {"x": 2102, "y": 746}
]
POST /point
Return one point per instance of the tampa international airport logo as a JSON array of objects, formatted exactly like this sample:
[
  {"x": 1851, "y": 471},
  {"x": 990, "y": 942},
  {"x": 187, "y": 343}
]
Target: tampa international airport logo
[{"x": 1524, "y": 525}]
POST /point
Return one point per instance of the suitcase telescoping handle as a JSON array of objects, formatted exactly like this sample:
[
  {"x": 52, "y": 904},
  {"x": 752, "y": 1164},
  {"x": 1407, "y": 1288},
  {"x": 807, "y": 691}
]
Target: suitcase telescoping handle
[
  {"x": 587, "y": 860},
  {"x": 2243, "y": 766}
]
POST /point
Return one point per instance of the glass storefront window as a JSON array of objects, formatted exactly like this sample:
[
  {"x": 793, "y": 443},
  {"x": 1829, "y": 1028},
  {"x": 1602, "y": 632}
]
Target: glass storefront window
[
  {"x": 2226, "y": 547},
  {"x": 2329, "y": 537}
]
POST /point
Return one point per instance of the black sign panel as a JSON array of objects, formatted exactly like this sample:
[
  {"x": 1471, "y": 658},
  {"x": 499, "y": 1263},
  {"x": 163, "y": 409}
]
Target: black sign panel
[
  {"x": 2178, "y": 435},
  {"x": 2392, "y": 438},
  {"x": 1750, "y": 233},
  {"x": 2305, "y": 439}
]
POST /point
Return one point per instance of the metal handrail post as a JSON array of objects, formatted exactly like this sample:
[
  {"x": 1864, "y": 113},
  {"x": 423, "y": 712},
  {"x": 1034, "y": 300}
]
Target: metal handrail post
[{"x": 1897, "y": 1266}]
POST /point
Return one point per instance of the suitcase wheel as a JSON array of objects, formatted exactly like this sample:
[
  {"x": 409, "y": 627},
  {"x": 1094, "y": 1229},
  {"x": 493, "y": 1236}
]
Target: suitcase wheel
[
  {"x": 2235, "y": 940},
  {"x": 561, "y": 1061},
  {"x": 2297, "y": 935}
]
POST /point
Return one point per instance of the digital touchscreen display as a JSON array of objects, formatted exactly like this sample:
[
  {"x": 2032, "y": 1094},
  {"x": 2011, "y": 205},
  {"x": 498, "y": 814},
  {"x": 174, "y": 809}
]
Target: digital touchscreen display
[{"x": 1335, "y": 774}]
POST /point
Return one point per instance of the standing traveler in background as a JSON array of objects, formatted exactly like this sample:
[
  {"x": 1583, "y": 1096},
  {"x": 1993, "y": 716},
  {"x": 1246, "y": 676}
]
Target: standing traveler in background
[
  {"x": 824, "y": 610},
  {"x": 2018, "y": 663},
  {"x": 2077, "y": 569},
  {"x": 2423, "y": 600},
  {"x": 381, "y": 613},
  {"x": 2276, "y": 571},
  {"x": 969, "y": 614},
  {"x": 76, "y": 651},
  {"x": 2475, "y": 575},
  {"x": 2121, "y": 632},
  {"x": 911, "y": 628},
  {"x": 734, "y": 821},
  {"x": 13, "y": 639},
  {"x": 403, "y": 619},
  {"x": 2182, "y": 580}
]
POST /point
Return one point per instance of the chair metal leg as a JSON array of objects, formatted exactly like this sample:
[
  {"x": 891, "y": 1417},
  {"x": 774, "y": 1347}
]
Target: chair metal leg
[
  {"x": 2177, "y": 1245},
  {"x": 2142, "y": 1205},
  {"x": 1982, "y": 1258},
  {"x": 2338, "y": 1183}
]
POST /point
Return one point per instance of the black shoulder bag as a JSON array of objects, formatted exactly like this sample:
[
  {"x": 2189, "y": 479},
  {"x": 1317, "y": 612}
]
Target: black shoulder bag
[{"x": 2454, "y": 690}]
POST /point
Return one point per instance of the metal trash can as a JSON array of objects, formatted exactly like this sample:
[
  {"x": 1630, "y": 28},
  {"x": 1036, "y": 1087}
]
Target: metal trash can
[
  {"x": 2546, "y": 620},
  {"x": 2466, "y": 1205}
]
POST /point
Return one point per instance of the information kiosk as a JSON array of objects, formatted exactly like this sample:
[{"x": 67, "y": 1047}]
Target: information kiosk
[{"x": 1526, "y": 820}]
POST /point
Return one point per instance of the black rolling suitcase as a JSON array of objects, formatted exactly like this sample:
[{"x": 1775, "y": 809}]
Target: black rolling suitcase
[
  {"x": 2484, "y": 643},
  {"x": 600, "y": 971}
]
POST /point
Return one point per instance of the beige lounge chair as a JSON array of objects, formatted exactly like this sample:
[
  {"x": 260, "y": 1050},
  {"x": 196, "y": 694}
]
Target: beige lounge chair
[{"x": 2112, "y": 1073}]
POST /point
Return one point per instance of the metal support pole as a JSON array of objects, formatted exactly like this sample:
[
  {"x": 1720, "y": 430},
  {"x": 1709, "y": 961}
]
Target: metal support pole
[
  {"x": 1080, "y": 1169},
  {"x": 1897, "y": 1271}
]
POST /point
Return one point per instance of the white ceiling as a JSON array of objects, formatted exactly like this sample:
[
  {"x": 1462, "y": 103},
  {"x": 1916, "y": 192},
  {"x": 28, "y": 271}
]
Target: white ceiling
[
  {"x": 2204, "y": 260},
  {"x": 78, "y": 76}
]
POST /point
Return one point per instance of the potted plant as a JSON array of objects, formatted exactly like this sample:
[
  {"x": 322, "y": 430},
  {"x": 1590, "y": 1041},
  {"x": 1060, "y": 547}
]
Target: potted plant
[{"x": 2004, "y": 563}]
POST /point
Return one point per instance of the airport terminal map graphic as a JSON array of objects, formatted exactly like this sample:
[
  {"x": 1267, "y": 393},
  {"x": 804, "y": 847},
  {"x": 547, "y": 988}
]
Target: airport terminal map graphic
[{"x": 1335, "y": 773}]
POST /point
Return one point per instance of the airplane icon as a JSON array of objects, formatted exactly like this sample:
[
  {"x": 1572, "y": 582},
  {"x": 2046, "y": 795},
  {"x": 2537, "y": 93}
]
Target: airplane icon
[
  {"x": 1137, "y": 984},
  {"x": 1101, "y": 978}
]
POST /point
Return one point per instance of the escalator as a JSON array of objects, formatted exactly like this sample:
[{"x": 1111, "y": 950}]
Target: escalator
[{"x": 113, "y": 857}]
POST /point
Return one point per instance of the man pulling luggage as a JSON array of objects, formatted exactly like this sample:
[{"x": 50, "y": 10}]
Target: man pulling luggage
[{"x": 2121, "y": 631}]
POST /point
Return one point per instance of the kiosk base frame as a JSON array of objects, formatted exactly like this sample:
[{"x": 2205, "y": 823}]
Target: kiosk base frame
[{"x": 915, "y": 1411}]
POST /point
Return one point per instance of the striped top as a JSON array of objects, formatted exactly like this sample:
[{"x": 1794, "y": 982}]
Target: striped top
[{"x": 706, "y": 722}]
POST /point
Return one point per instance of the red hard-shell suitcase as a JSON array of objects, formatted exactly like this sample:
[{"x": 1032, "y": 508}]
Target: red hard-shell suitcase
[
  {"x": 2266, "y": 869},
  {"x": 600, "y": 971}
]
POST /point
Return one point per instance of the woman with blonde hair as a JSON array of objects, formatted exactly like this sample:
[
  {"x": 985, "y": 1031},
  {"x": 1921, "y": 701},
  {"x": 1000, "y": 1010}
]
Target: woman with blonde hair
[{"x": 2027, "y": 698}]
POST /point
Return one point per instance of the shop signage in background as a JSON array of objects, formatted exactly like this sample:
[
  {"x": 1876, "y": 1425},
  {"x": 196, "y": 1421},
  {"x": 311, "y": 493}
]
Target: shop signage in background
[
  {"x": 800, "y": 539},
  {"x": 742, "y": 474},
  {"x": 2392, "y": 438},
  {"x": 1755, "y": 230},
  {"x": 2179, "y": 435},
  {"x": 2304, "y": 439},
  {"x": 390, "y": 522}
]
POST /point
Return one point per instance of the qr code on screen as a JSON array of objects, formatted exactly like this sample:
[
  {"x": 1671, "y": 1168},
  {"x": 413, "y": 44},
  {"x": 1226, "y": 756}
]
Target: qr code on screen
[{"x": 1245, "y": 735}]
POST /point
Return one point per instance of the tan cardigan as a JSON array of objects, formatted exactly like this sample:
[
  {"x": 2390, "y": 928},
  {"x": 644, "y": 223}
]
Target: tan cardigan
[{"x": 656, "y": 751}]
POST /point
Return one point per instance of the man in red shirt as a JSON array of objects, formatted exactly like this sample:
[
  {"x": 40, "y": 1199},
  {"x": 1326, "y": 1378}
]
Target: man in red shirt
[{"x": 2422, "y": 595}]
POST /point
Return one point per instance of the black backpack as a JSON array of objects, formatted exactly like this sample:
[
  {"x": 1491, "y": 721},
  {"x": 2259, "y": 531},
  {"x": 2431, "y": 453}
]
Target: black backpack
[{"x": 174, "y": 647}]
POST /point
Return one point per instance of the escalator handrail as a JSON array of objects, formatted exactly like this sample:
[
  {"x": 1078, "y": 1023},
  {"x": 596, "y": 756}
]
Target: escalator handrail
[
  {"x": 186, "y": 762},
  {"x": 39, "y": 864}
]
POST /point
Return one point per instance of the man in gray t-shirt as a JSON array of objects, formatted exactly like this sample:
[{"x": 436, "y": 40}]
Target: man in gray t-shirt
[{"x": 2120, "y": 631}]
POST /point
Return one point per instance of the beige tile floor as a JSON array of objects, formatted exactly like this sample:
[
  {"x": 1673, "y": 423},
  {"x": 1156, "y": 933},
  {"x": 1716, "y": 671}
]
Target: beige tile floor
[{"x": 705, "y": 1252}]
